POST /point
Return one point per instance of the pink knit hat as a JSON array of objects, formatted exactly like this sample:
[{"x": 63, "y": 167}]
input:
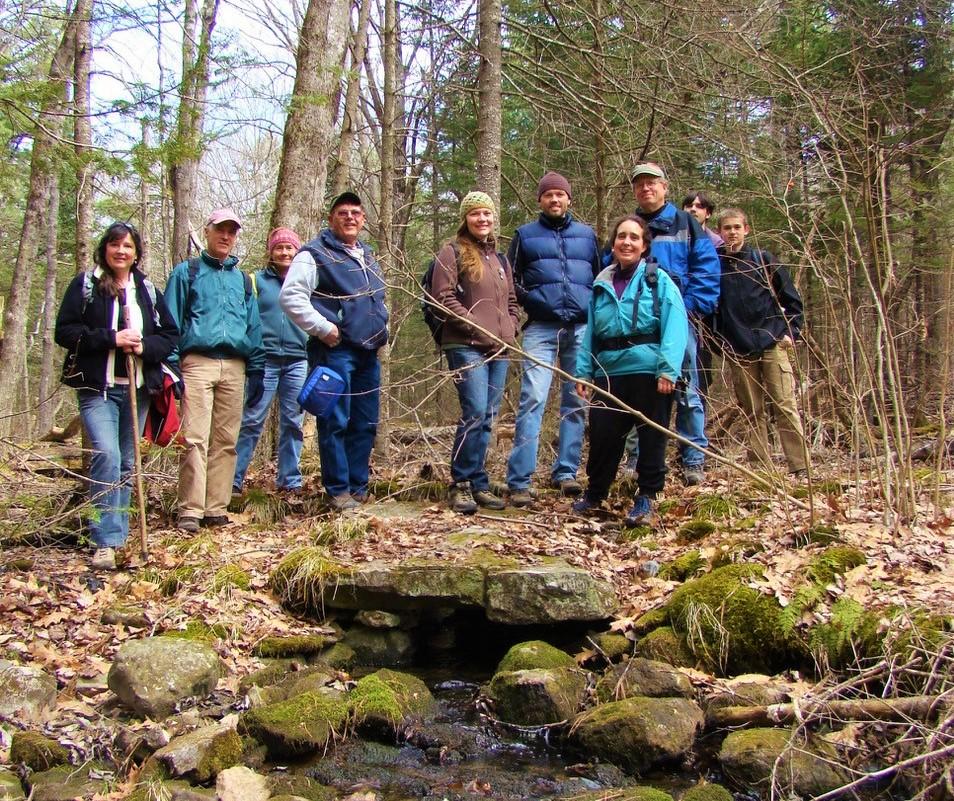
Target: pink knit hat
[{"x": 283, "y": 236}]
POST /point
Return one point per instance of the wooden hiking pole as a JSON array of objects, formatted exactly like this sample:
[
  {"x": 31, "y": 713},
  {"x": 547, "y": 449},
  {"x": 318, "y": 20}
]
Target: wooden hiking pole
[{"x": 137, "y": 450}]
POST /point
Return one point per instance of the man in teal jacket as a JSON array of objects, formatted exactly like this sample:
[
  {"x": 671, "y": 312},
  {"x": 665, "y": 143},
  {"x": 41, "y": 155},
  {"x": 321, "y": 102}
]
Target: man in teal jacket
[{"x": 220, "y": 350}]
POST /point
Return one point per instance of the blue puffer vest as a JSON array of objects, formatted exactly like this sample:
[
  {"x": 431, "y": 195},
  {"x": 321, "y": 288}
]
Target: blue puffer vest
[
  {"x": 349, "y": 294},
  {"x": 554, "y": 263}
]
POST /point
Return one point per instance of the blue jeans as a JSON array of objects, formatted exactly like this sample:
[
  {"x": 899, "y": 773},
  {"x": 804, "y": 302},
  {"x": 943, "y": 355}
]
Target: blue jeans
[
  {"x": 690, "y": 411},
  {"x": 107, "y": 419},
  {"x": 480, "y": 382},
  {"x": 346, "y": 436},
  {"x": 286, "y": 377},
  {"x": 547, "y": 341}
]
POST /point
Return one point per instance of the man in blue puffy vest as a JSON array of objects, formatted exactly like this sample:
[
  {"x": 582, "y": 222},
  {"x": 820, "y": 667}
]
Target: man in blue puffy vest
[
  {"x": 683, "y": 250},
  {"x": 334, "y": 291},
  {"x": 554, "y": 260}
]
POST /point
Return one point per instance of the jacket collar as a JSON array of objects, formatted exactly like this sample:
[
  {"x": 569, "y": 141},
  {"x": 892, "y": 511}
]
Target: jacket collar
[
  {"x": 556, "y": 225},
  {"x": 332, "y": 241},
  {"x": 225, "y": 264},
  {"x": 664, "y": 218}
]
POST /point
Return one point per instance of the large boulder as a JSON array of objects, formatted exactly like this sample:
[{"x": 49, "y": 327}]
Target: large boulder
[
  {"x": 10, "y": 787},
  {"x": 638, "y": 734},
  {"x": 643, "y": 677},
  {"x": 550, "y": 593},
  {"x": 241, "y": 784},
  {"x": 752, "y": 757},
  {"x": 26, "y": 693},
  {"x": 375, "y": 647},
  {"x": 202, "y": 754},
  {"x": 152, "y": 675},
  {"x": 538, "y": 697}
]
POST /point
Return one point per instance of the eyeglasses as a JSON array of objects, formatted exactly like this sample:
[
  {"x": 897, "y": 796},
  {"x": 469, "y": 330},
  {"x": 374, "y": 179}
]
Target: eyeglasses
[{"x": 357, "y": 213}]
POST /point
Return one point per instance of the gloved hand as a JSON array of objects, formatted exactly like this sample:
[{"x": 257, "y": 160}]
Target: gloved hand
[{"x": 254, "y": 387}]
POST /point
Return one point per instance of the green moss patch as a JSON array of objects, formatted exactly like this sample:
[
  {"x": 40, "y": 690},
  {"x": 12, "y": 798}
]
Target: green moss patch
[
  {"x": 200, "y": 631},
  {"x": 714, "y": 507},
  {"x": 305, "y": 724},
  {"x": 834, "y": 561},
  {"x": 707, "y": 792},
  {"x": 300, "y": 578},
  {"x": 231, "y": 576},
  {"x": 666, "y": 645},
  {"x": 387, "y": 698},
  {"x": 295, "y": 645},
  {"x": 695, "y": 530},
  {"x": 37, "y": 752},
  {"x": 683, "y": 567},
  {"x": 533, "y": 655}
]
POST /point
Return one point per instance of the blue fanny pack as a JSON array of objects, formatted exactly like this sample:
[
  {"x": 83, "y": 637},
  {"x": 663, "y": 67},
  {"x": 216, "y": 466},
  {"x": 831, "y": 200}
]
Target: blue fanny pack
[{"x": 321, "y": 392}]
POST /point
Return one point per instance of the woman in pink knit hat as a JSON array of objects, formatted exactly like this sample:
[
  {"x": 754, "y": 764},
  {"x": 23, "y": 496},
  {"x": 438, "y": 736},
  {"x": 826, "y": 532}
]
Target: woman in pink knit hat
[{"x": 286, "y": 368}]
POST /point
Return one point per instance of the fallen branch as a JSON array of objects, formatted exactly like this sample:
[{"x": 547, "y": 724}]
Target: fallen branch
[{"x": 919, "y": 707}]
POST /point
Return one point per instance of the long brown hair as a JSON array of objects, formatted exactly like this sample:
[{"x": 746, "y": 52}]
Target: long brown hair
[
  {"x": 115, "y": 232},
  {"x": 471, "y": 261}
]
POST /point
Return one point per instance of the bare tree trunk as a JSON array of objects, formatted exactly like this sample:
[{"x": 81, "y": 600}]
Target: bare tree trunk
[
  {"x": 300, "y": 194},
  {"x": 187, "y": 143},
  {"x": 489, "y": 106},
  {"x": 145, "y": 221},
  {"x": 341, "y": 178},
  {"x": 43, "y": 165},
  {"x": 83, "y": 134},
  {"x": 46, "y": 408}
]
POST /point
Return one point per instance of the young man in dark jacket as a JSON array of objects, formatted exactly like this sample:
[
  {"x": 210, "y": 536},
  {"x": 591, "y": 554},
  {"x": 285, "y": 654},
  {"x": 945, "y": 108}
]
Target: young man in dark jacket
[
  {"x": 759, "y": 320},
  {"x": 555, "y": 259},
  {"x": 334, "y": 292},
  {"x": 223, "y": 362}
]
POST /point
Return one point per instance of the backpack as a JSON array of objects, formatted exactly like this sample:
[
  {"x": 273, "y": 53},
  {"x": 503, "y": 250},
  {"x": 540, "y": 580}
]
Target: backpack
[
  {"x": 89, "y": 282},
  {"x": 651, "y": 278},
  {"x": 250, "y": 288},
  {"x": 434, "y": 316}
]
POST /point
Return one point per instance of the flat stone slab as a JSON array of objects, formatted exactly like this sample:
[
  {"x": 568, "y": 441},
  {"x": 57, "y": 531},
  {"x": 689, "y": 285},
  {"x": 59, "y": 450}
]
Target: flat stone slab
[{"x": 554, "y": 592}]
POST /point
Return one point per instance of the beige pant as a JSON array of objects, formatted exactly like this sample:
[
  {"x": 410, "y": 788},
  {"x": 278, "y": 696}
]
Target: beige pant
[
  {"x": 211, "y": 418},
  {"x": 770, "y": 375}
]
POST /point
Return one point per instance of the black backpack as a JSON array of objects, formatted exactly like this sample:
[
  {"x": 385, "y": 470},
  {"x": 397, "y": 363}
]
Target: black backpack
[{"x": 434, "y": 316}]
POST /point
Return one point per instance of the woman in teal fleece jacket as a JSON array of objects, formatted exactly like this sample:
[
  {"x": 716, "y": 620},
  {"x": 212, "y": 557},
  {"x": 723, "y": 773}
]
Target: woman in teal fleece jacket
[{"x": 633, "y": 348}]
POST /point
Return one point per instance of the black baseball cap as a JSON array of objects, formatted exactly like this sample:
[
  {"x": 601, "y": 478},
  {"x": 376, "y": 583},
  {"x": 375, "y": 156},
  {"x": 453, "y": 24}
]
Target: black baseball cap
[{"x": 345, "y": 197}]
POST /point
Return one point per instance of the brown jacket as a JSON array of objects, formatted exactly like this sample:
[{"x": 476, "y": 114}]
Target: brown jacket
[{"x": 489, "y": 303}]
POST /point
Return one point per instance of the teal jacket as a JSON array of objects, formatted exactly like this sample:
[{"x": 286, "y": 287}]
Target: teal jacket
[
  {"x": 281, "y": 337},
  {"x": 610, "y": 317},
  {"x": 216, "y": 316}
]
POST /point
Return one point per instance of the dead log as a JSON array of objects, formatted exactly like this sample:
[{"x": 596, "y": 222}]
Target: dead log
[
  {"x": 915, "y": 707},
  {"x": 73, "y": 428}
]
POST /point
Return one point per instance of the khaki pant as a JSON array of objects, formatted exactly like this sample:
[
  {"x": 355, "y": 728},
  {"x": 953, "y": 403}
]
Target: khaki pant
[
  {"x": 211, "y": 418},
  {"x": 770, "y": 375}
]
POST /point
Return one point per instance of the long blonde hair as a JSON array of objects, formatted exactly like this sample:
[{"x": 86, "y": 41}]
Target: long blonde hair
[{"x": 471, "y": 261}]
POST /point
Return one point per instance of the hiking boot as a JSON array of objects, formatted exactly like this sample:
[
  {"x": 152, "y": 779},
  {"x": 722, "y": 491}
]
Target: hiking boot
[
  {"x": 215, "y": 521},
  {"x": 693, "y": 475},
  {"x": 585, "y": 505},
  {"x": 103, "y": 559},
  {"x": 642, "y": 512},
  {"x": 569, "y": 487},
  {"x": 460, "y": 500},
  {"x": 521, "y": 498},
  {"x": 190, "y": 524},
  {"x": 488, "y": 500},
  {"x": 343, "y": 503}
]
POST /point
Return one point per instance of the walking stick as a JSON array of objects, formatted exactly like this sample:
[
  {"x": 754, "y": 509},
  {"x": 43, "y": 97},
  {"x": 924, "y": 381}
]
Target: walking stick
[{"x": 134, "y": 408}]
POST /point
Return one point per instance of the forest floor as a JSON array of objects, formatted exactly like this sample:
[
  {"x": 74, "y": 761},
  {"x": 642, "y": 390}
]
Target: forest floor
[{"x": 51, "y": 602}]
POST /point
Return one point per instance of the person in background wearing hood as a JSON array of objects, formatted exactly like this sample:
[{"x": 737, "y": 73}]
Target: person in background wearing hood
[
  {"x": 554, "y": 260},
  {"x": 223, "y": 363},
  {"x": 286, "y": 368},
  {"x": 105, "y": 315},
  {"x": 475, "y": 285},
  {"x": 633, "y": 349},
  {"x": 334, "y": 292}
]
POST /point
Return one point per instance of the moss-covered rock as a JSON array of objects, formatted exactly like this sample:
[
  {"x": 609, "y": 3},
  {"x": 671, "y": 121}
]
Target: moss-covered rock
[
  {"x": 306, "y": 723},
  {"x": 537, "y": 697},
  {"x": 10, "y": 787},
  {"x": 202, "y": 754},
  {"x": 272, "y": 673},
  {"x": 665, "y": 645},
  {"x": 299, "y": 580},
  {"x": 387, "y": 700},
  {"x": 734, "y": 627},
  {"x": 374, "y": 647},
  {"x": 694, "y": 530},
  {"x": 36, "y": 751},
  {"x": 340, "y": 655},
  {"x": 231, "y": 576},
  {"x": 532, "y": 655},
  {"x": 158, "y": 789},
  {"x": 653, "y": 619},
  {"x": 683, "y": 567},
  {"x": 624, "y": 794},
  {"x": 707, "y": 792},
  {"x": 611, "y": 646},
  {"x": 295, "y": 645},
  {"x": 200, "y": 631},
  {"x": 638, "y": 734},
  {"x": 314, "y": 678},
  {"x": 752, "y": 757},
  {"x": 66, "y": 782},
  {"x": 645, "y": 677},
  {"x": 834, "y": 561}
]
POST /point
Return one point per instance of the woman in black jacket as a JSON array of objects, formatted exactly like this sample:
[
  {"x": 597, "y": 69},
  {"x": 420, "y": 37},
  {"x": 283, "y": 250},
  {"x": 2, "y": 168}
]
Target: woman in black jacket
[{"x": 107, "y": 313}]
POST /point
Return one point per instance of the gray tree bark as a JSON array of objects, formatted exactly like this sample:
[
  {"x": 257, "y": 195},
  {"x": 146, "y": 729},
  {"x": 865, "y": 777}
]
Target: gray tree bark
[
  {"x": 46, "y": 409},
  {"x": 489, "y": 106},
  {"x": 83, "y": 134},
  {"x": 300, "y": 194}
]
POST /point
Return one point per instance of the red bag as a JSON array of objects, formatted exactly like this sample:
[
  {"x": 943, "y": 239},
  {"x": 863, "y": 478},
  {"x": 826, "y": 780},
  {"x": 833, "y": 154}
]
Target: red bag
[{"x": 162, "y": 419}]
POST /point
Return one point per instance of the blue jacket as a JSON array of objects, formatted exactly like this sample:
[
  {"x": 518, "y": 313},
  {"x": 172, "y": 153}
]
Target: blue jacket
[
  {"x": 611, "y": 317},
  {"x": 554, "y": 263},
  {"x": 347, "y": 293},
  {"x": 280, "y": 336},
  {"x": 683, "y": 250},
  {"x": 216, "y": 316}
]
